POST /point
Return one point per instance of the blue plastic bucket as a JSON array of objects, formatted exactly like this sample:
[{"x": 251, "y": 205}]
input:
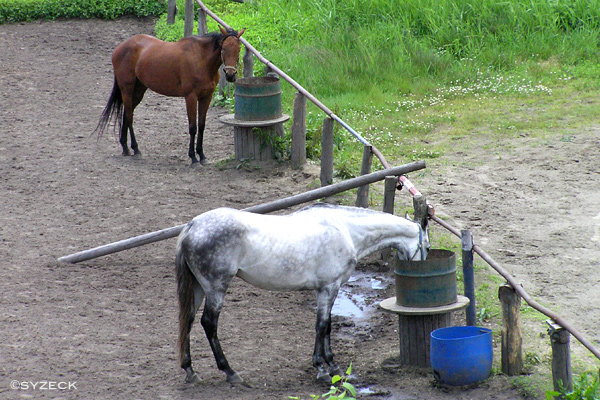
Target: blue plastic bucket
[{"x": 461, "y": 355}]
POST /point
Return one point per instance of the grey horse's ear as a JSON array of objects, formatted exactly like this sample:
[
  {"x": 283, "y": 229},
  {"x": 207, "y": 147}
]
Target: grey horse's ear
[{"x": 407, "y": 217}]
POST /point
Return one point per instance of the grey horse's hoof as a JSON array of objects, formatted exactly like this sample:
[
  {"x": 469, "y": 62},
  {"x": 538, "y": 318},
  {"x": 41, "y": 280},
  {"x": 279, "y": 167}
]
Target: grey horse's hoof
[
  {"x": 234, "y": 379},
  {"x": 335, "y": 370},
  {"x": 193, "y": 379},
  {"x": 323, "y": 377}
]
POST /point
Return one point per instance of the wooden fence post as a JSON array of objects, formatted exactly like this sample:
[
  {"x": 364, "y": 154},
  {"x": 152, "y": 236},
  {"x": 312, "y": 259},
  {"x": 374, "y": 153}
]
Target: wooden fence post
[
  {"x": 389, "y": 197},
  {"x": 222, "y": 82},
  {"x": 299, "y": 132},
  {"x": 202, "y": 28},
  {"x": 468, "y": 274},
  {"x": 389, "y": 194},
  {"x": 327, "y": 152},
  {"x": 560, "y": 340},
  {"x": 421, "y": 208},
  {"x": 362, "y": 194},
  {"x": 188, "y": 27},
  {"x": 248, "y": 61},
  {"x": 512, "y": 340},
  {"x": 171, "y": 11}
]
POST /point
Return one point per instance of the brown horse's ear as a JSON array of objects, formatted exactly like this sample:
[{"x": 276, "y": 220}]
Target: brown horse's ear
[
  {"x": 241, "y": 32},
  {"x": 223, "y": 31}
]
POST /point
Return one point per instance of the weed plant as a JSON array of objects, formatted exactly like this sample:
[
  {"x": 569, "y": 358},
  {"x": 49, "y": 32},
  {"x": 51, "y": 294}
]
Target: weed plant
[{"x": 585, "y": 387}]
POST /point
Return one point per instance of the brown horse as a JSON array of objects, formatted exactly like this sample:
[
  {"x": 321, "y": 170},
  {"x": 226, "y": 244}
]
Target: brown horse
[{"x": 188, "y": 68}]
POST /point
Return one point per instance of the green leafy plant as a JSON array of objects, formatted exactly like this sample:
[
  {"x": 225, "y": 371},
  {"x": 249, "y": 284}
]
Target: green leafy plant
[
  {"x": 279, "y": 144},
  {"x": 340, "y": 389},
  {"x": 586, "y": 387},
  {"x": 483, "y": 315}
]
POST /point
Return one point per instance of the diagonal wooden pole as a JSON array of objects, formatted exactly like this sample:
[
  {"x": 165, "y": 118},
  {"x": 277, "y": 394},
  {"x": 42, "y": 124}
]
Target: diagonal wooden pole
[{"x": 259, "y": 209}]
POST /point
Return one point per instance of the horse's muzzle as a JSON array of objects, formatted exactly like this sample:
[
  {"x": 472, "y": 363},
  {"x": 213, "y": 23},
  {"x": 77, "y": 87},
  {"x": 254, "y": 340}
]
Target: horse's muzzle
[{"x": 230, "y": 73}]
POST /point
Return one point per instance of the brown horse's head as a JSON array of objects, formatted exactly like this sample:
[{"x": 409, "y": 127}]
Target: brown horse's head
[{"x": 230, "y": 52}]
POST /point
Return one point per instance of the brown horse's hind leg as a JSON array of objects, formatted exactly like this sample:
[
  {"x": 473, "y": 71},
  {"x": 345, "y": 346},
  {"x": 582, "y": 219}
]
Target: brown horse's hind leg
[
  {"x": 138, "y": 94},
  {"x": 132, "y": 96}
]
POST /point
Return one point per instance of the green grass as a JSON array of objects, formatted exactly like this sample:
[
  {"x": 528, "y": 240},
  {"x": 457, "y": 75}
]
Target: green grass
[
  {"x": 28, "y": 10},
  {"x": 403, "y": 74}
]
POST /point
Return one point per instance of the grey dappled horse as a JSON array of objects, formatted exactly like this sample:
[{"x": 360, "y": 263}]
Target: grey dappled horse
[{"x": 316, "y": 248}]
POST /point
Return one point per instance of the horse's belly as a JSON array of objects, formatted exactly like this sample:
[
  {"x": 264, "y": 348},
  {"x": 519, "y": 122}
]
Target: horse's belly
[
  {"x": 157, "y": 82},
  {"x": 277, "y": 280},
  {"x": 296, "y": 271}
]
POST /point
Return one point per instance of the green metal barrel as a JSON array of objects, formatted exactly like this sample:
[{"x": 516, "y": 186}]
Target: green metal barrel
[
  {"x": 257, "y": 99},
  {"x": 429, "y": 283}
]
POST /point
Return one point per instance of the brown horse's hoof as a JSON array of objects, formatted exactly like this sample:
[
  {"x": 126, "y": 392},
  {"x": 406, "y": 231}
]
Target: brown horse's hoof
[
  {"x": 234, "y": 379},
  {"x": 196, "y": 165},
  {"x": 193, "y": 379},
  {"x": 204, "y": 161}
]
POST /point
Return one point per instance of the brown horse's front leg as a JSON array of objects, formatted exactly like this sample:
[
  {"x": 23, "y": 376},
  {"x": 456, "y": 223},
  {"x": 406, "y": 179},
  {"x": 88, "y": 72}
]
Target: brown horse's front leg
[
  {"x": 203, "y": 104},
  {"x": 191, "y": 152},
  {"x": 191, "y": 104}
]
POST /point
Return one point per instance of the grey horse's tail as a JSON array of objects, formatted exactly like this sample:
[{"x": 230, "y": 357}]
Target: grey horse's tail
[{"x": 185, "y": 292}]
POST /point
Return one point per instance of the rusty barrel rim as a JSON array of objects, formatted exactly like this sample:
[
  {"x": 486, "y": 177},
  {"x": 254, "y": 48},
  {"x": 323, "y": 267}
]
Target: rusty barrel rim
[{"x": 428, "y": 283}]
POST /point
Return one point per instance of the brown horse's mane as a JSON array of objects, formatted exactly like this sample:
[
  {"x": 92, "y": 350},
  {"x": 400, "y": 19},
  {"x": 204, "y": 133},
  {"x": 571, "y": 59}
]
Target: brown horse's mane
[{"x": 217, "y": 37}]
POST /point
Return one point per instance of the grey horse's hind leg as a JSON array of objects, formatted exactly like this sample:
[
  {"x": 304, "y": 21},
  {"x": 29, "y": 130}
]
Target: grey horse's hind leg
[
  {"x": 186, "y": 364},
  {"x": 322, "y": 355},
  {"x": 210, "y": 321}
]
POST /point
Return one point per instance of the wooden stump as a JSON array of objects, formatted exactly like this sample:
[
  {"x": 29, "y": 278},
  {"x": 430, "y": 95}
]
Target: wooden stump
[
  {"x": 415, "y": 326},
  {"x": 252, "y": 143}
]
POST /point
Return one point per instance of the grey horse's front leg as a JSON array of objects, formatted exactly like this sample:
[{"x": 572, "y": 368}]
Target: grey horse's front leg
[{"x": 322, "y": 355}]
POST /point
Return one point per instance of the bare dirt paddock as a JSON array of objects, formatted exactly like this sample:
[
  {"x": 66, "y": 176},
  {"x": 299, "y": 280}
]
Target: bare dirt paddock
[{"x": 108, "y": 326}]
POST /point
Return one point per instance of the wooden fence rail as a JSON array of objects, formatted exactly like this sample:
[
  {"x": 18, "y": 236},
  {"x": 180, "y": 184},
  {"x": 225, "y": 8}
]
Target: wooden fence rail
[{"x": 265, "y": 208}]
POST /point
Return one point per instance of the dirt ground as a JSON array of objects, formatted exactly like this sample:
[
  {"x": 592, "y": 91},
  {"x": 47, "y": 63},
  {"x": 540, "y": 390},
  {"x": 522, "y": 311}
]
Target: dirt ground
[{"x": 108, "y": 326}]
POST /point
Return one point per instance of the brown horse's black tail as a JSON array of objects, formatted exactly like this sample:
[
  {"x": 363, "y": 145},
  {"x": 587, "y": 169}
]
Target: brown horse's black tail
[
  {"x": 185, "y": 292},
  {"x": 113, "y": 109}
]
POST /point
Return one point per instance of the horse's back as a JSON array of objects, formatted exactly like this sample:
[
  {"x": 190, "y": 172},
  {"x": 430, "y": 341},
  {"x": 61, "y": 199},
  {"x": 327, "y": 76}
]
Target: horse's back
[
  {"x": 269, "y": 251},
  {"x": 213, "y": 229},
  {"x": 168, "y": 68}
]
